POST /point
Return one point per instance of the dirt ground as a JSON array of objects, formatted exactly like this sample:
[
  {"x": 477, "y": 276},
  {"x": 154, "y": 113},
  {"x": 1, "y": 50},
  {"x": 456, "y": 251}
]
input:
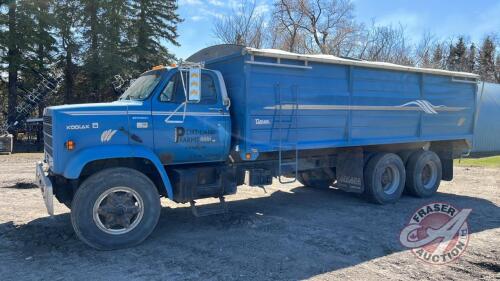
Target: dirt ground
[{"x": 286, "y": 233}]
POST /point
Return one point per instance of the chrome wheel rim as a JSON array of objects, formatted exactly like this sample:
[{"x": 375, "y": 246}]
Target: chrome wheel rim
[
  {"x": 390, "y": 179},
  {"x": 429, "y": 175},
  {"x": 118, "y": 210}
]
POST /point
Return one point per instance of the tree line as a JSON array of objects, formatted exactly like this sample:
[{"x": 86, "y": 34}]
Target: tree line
[
  {"x": 330, "y": 27},
  {"x": 91, "y": 41}
]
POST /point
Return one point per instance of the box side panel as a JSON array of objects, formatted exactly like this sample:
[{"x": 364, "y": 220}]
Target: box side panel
[
  {"x": 377, "y": 99},
  {"x": 324, "y": 105},
  {"x": 305, "y": 96},
  {"x": 389, "y": 106},
  {"x": 232, "y": 69},
  {"x": 455, "y": 106}
]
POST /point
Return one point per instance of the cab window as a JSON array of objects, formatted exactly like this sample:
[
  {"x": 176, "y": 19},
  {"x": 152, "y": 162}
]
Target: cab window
[
  {"x": 142, "y": 86},
  {"x": 168, "y": 91},
  {"x": 174, "y": 92},
  {"x": 208, "y": 90}
]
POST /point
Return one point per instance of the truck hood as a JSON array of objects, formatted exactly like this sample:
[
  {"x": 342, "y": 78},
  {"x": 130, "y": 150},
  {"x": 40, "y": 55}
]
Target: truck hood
[
  {"x": 87, "y": 125},
  {"x": 116, "y": 106}
]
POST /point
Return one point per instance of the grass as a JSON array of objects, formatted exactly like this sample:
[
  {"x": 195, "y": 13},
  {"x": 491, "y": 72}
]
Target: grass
[{"x": 492, "y": 161}]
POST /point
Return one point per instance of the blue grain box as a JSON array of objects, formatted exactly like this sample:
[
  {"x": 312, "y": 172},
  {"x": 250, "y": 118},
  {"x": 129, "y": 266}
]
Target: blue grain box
[{"x": 281, "y": 99}]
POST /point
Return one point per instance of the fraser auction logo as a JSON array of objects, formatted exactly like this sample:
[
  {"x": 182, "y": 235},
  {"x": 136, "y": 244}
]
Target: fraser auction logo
[{"x": 437, "y": 233}]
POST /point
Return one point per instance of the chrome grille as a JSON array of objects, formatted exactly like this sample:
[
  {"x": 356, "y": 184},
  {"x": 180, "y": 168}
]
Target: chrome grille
[
  {"x": 47, "y": 134},
  {"x": 47, "y": 124}
]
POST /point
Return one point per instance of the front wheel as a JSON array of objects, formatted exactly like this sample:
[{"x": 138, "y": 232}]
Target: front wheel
[{"x": 115, "y": 208}]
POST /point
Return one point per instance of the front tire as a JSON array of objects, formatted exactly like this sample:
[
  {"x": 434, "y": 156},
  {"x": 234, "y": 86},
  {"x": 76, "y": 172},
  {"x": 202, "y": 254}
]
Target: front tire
[
  {"x": 384, "y": 178},
  {"x": 115, "y": 208},
  {"x": 423, "y": 174}
]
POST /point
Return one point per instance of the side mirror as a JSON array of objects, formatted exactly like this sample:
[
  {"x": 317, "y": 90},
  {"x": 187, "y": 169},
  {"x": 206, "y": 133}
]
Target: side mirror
[{"x": 194, "y": 85}]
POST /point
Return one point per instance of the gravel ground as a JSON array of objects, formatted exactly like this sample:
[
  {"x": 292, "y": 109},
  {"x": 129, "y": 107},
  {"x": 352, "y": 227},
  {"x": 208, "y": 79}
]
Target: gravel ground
[{"x": 286, "y": 232}]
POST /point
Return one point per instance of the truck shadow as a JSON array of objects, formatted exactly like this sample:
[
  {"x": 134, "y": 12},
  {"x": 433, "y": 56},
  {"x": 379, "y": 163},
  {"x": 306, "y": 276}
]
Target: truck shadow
[
  {"x": 22, "y": 185},
  {"x": 295, "y": 234}
]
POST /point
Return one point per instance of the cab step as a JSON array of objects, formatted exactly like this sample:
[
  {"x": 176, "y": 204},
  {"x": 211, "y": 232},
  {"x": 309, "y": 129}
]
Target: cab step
[{"x": 219, "y": 208}]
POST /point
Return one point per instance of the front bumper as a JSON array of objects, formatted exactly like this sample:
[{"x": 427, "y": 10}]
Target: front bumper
[{"x": 43, "y": 181}]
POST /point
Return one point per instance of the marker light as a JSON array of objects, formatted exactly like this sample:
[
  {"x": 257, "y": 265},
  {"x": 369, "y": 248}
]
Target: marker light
[
  {"x": 70, "y": 145},
  {"x": 156, "y": 67}
]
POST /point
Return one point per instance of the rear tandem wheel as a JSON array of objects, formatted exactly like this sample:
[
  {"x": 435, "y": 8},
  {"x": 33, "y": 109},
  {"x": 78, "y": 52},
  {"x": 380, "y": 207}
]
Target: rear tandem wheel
[
  {"x": 384, "y": 178},
  {"x": 423, "y": 174}
]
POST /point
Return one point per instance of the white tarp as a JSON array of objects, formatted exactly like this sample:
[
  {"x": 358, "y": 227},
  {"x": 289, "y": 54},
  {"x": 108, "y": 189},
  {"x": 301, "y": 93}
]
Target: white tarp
[{"x": 338, "y": 60}]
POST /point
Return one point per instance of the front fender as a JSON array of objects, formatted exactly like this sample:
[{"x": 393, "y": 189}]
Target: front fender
[{"x": 87, "y": 155}]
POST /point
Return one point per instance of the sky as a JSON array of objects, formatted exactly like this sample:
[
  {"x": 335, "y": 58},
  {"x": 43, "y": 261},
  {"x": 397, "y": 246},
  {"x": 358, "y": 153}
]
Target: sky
[{"x": 442, "y": 18}]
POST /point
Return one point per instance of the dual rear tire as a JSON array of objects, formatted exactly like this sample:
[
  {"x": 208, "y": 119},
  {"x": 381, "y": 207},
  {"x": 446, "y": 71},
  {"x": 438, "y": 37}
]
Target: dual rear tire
[
  {"x": 424, "y": 173},
  {"x": 386, "y": 177}
]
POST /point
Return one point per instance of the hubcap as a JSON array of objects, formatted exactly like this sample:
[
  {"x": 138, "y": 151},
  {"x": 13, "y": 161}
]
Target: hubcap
[
  {"x": 390, "y": 179},
  {"x": 118, "y": 210},
  {"x": 429, "y": 175}
]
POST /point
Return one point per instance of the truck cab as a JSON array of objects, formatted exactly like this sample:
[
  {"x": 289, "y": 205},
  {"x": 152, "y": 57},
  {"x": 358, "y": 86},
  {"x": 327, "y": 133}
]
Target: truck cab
[
  {"x": 155, "y": 113},
  {"x": 167, "y": 119}
]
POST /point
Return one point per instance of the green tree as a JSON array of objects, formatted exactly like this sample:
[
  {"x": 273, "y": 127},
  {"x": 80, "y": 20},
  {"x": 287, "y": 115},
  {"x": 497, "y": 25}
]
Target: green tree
[
  {"x": 487, "y": 60},
  {"x": 471, "y": 59},
  {"x": 43, "y": 43},
  {"x": 497, "y": 69},
  {"x": 92, "y": 34},
  {"x": 68, "y": 15},
  {"x": 16, "y": 35},
  {"x": 437, "y": 57},
  {"x": 450, "y": 58},
  {"x": 457, "y": 57},
  {"x": 154, "y": 22},
  {"x": 115, "y": 20},
  {"x": 43, "y": 39},
  {"x": 3, "y": 102}
]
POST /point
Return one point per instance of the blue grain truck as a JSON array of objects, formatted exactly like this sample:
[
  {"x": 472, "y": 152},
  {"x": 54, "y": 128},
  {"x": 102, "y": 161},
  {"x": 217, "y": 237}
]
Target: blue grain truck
[{"x": 236, "y": 115}]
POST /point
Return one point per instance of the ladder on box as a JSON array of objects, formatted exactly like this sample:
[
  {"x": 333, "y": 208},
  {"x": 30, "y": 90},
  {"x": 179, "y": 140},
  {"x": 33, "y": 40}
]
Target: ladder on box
[{"x": 287, "y": 128}]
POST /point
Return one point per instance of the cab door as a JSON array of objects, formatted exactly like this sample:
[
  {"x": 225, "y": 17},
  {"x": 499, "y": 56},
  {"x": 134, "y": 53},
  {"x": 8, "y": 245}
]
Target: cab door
[{"x": 190, "y": 131}]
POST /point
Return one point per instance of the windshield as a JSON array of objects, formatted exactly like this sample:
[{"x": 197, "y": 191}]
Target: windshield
[{"x": 142, "y": 87}]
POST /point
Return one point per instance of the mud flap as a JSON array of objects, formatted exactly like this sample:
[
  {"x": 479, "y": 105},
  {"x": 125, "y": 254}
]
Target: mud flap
[
  {"x": 445, "y": 152},
  {"x": 349, "y": 170}
]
